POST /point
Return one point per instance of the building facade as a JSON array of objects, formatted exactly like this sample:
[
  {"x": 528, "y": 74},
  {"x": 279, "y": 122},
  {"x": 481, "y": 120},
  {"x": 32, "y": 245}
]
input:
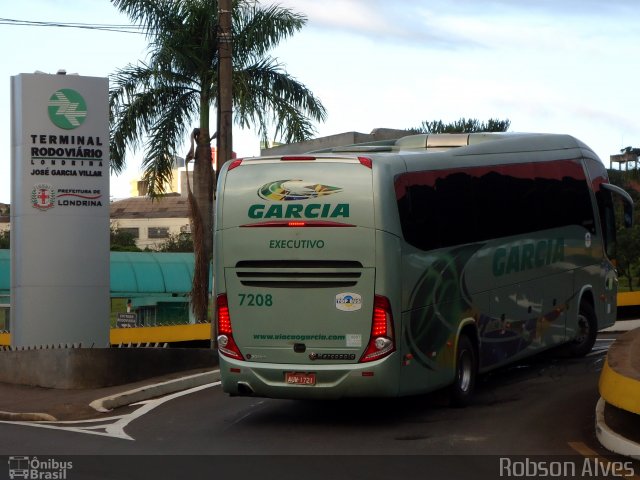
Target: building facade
[{"x": 151, "y": 222}]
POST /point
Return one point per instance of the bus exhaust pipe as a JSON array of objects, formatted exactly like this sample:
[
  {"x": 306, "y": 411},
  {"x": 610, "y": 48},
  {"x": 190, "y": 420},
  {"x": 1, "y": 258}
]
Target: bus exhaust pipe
[{"x": 244, "y": 390}]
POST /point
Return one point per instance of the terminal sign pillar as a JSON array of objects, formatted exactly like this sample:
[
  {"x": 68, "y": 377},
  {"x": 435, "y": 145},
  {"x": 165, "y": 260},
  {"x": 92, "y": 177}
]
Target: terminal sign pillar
[{"x": 60, "y": 293}]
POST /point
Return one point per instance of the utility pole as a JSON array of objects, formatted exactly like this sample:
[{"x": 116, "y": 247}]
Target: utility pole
[{"x": 225, "y": 81}]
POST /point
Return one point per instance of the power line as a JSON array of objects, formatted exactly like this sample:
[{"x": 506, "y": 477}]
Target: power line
[{"x": 86, "y": 26}]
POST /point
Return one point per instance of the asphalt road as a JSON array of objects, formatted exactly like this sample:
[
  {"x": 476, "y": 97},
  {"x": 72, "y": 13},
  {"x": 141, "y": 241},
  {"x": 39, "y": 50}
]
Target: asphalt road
[{"x": 542, "y": 408}]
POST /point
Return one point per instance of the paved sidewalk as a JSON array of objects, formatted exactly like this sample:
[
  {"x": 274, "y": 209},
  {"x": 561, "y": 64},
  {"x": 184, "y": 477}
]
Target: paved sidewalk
[{"x": 24, "y": 403}]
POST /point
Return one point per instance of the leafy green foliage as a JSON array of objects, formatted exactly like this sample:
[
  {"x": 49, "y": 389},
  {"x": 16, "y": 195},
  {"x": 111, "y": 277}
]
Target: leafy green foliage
[
  {"x": 628, "y": 239},
  {"x": 628, "y": 254},
  {"x": 181, "y": 242},
  {"x": 122, "y": 241},
  {"x": 463, "y": 125},
  {"x": 5, "y": 237},
  {"x": 632, "y": 150}
]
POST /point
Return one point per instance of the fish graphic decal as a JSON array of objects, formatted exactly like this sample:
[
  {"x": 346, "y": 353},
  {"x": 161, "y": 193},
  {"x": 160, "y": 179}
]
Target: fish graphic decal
[{"x": 293, "y": 190}]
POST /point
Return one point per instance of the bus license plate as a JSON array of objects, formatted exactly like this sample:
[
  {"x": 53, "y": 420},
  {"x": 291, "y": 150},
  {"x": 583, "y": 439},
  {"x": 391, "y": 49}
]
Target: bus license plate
[{"x": 293, "y": 378}]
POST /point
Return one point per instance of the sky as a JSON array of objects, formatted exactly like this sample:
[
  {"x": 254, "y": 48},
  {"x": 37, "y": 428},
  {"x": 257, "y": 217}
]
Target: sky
[{"x": 555, "y": 66}]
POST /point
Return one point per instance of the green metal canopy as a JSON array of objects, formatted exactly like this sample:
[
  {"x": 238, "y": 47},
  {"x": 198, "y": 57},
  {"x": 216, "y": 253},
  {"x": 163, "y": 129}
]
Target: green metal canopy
[
  {"x": 150, "y": 272},
  {"x": 5, "y": 272},
  {"x": 133, "y": 273}
]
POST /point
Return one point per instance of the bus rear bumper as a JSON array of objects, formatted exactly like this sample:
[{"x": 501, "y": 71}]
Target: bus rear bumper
[{"x": 374, "y": 379}]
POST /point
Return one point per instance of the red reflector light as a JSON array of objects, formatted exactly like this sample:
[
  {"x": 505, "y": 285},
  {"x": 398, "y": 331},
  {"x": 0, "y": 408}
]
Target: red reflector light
[
  {"x": 235, "y": 370},
  {"x": 297, "y": 158},
  {"x": 379, "y": 326},
  {"x": 367, "y": 374},
  {"x": 366, "y": 161},
  {"x": 224, "y": 320},
  {"x": 234, "y": 164}
]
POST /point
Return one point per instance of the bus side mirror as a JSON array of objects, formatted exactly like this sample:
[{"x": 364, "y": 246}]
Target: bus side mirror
[{"x": 627, "y": 201}]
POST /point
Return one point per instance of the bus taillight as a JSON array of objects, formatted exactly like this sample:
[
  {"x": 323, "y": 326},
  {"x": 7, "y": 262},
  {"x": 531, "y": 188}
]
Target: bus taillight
[
  {"x": 366, "y": 161},
  {"x": 234, "y": 164},
  {"x": 381, "y": 341},
  {"x": 226, "y": 344},
  {"x": 297, "y": 158}
]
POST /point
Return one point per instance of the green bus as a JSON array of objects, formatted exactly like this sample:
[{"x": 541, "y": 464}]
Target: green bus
[{"x": 400, "y": 268}]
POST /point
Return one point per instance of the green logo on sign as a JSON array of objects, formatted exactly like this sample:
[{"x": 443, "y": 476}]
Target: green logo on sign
[{"x": 67, "y": 109}]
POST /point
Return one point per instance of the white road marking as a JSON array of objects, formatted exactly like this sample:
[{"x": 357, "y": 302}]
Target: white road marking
[
  {"x": 601, "y": 346},
  {"x": 113, "y": 426}
]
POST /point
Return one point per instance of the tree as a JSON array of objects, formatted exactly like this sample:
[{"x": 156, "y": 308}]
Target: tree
[
  {"x": 628, "y": 252},
  {"x": 122, "y": 240},
  {"x": 628, "y": 239},
  {"x": 153, "y": 104},
  {"x": 463, "y": 125},
  {"x": 631, "y": 150},
  {"x": 179, "y": 242},
  {"x": 5, "y": 236}
]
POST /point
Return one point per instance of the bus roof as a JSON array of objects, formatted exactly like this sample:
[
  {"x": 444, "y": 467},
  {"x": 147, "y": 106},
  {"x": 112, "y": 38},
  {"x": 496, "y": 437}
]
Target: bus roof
[
  {"x": 448, "y": 150},
  {"x": 484, "y": 142}
]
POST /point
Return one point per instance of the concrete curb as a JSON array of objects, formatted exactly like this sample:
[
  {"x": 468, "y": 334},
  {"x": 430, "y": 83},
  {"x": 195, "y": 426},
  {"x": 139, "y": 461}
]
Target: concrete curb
[
  {"x": 622, "y": 326},
  {"x": 27, "y": 417},
  {"x": 147, "y": 392},
  {"x": 611, "y": 440}
]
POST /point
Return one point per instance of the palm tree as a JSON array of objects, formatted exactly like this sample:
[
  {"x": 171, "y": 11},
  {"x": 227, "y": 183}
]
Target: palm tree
[
  {"x": 155, "y": 103},
  {"x": 464, "y": 125}
]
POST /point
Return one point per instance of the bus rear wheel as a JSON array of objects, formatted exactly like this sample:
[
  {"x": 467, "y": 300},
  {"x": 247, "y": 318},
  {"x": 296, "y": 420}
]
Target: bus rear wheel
[
  {"x": 587, "y": 331},
  {"x": 466, "y": 372}
]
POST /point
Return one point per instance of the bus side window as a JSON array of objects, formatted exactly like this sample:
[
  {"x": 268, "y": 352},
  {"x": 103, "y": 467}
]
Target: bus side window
[{"x": 444, "y": 208}]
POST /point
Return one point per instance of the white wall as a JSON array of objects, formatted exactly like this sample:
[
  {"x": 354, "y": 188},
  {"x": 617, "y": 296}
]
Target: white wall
[{"x": 143, "y": 224}]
